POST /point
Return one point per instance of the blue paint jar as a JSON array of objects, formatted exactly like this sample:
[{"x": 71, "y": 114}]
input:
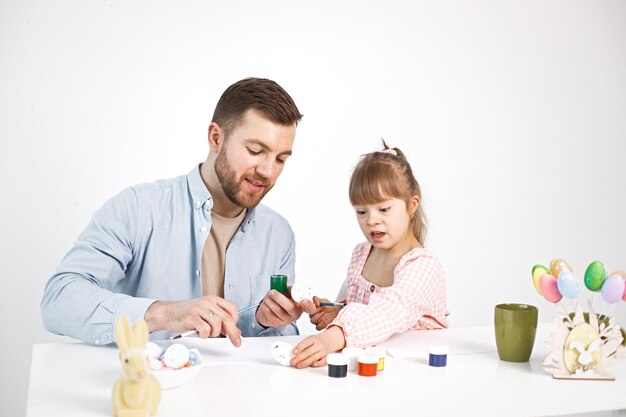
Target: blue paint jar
[
  {"x": 438, "y": 356},
  {"x": 337, "y": 365}
]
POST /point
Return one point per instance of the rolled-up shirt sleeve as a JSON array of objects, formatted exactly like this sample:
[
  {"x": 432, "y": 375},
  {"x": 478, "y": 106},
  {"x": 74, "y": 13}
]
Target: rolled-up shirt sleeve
[{"x": 82, "y": 298}]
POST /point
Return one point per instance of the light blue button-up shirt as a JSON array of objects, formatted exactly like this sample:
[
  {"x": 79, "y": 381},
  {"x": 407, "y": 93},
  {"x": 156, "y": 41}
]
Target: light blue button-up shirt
[{"x": 145, "y": 244}]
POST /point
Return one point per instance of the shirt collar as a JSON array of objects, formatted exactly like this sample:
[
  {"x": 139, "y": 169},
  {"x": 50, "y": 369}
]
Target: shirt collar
[
  {"x": 199, "y": 193},
  {"x": 201, "y": 196}
]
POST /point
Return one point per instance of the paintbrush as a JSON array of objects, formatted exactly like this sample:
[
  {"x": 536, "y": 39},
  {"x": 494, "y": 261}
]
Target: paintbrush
[
  {"x": 192, "y": 332},
  {"x": 325, "y": 304}
]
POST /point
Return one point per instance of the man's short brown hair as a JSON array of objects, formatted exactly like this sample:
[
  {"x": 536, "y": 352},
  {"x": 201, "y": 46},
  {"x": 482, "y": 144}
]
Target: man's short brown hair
[{"x": 260, "y": 94}]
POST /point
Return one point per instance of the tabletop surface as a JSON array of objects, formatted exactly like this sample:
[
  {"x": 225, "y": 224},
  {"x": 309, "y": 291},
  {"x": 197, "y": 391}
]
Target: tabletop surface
[{"x": 76, "y": 379}]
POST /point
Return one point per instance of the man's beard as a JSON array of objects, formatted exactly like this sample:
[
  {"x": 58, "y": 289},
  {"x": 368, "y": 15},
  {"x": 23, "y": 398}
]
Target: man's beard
[{"x": 231, "y": 186}]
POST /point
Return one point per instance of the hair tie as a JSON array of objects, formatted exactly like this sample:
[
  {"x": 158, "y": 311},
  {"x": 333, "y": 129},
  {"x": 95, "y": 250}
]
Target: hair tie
[{"x": 391, "y": 151}]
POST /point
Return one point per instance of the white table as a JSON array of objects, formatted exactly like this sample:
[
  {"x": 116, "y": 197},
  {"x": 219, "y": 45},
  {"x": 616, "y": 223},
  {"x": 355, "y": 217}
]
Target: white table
[{"x": 75, "y": 379}]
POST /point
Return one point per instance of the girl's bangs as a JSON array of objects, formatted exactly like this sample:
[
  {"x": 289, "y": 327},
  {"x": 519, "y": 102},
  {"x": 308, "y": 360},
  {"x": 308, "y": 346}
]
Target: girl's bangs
[{"x": 373, "y": 184}]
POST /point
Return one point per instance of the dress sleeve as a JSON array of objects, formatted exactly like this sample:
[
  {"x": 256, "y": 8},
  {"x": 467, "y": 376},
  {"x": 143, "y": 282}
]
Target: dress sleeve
[{"x": 394, "y": 309}]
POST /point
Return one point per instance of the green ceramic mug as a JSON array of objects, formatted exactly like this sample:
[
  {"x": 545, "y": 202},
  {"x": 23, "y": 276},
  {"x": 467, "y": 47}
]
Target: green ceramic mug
[{"x": 515, "y": 326}]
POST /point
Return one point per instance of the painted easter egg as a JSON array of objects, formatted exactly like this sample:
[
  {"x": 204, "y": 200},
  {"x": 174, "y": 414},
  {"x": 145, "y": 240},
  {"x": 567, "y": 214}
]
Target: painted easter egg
[
  {"x": 581, "y": 348},
  {"x": 538, "y": 271},
  {"x": 282, "y": 352},
  {"x": 176, "y": 356},
  {"x": 549, "y": 288},
  {"x": 301, "y": 290},
  {"x": 595, "y": 275},
  {"x": 623, "y": 275},
  {"x": 613, "y": 289},
  {"x": 559, "y": 265},
  {"x": 568, "y": 285}
]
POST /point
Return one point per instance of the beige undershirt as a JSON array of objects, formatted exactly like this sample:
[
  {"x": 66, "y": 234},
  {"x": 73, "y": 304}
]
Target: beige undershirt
[{"x": 214, "y": 252}]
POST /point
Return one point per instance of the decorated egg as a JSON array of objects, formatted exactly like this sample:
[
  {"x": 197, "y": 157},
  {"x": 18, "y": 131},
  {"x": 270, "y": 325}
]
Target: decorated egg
[
  {"x": 595, "y": 275},
  {"x": 568, "y": 285},
  {"x": 613, "y": 289},
  {"x": 582, "y": 347},
  {"x": 559, "y": 265},
  {"x": 176, "y": 356},
  {"x": 623, "y": 275},
  {"x": 538, "y": 271},
  {"x": 301, "y": 290},
  {"x": 153, "y": 350},
  {"x": 194, "y": 356},
  {"x": 620, "y": 273},
  {"x": 282, "y": 352},
  {"x": 549, "y": 288},
  {"x": 156, "y": 364}
]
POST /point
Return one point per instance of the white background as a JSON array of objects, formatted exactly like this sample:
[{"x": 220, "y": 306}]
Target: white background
[{"x": 513, "y": 115}]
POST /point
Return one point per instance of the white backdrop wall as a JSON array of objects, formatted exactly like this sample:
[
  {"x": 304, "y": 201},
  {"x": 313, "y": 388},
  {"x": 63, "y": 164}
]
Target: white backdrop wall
[{"x": 513, "y": 115}]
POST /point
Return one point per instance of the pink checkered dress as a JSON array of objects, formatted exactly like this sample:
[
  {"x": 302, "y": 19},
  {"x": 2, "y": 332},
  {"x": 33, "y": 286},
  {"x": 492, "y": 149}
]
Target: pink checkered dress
[{"x": 416, "y": 300}]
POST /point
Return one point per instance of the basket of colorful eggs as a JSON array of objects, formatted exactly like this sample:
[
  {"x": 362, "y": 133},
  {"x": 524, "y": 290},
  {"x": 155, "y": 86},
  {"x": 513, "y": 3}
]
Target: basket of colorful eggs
[{"x": 173, "y": 365}]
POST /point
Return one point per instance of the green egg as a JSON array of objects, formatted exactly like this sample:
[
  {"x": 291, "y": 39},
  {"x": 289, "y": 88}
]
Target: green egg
[{"x": 595, "y": 275}]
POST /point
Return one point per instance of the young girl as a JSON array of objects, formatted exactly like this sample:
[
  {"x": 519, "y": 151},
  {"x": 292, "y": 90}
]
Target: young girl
[{"x": 394, "y": 283}]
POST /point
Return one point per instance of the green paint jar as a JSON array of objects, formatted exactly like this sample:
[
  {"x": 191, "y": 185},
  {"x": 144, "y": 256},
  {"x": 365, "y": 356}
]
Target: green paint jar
[{"x": 278, "y": 283}]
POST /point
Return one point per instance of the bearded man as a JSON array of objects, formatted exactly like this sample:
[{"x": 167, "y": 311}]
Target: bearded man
[{"x": 192, "y": 254}]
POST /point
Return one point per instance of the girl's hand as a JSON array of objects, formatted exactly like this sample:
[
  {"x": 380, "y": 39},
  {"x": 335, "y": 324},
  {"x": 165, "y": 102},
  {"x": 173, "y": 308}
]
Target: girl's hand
[
  {"x": 312, "y": 351},
  {"x": 323, "y": 316}
]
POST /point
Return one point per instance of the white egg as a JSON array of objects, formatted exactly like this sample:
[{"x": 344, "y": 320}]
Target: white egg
[
  {"x": 176, "y": 356},
  {"x": 156, "y": 364},
  {"x": 301, "y": 290},
  {"x": 153, "y": 350},
  {"x": 282, "y": 352}
]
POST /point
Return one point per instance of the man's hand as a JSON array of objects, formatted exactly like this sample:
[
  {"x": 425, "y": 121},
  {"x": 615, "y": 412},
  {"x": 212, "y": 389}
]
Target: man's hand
[
  {"x": 278, "y": 310},
  {"x": 321, "y": 317},
  {"x": 313, "y": 350},
  {"x": 209, "y": 316}
]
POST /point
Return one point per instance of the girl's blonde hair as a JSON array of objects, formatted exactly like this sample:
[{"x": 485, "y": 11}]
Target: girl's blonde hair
[{"x": 387, "y": 174}]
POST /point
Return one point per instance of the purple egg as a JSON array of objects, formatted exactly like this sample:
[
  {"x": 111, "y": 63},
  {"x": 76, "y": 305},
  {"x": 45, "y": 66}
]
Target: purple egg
[{"x": 613, "y": 289}]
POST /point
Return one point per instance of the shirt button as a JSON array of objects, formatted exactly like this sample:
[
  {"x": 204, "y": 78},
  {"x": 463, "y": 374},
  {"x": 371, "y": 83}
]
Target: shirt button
[
  {"x": 372, "y": 288},
  {"x": 203, "y": 229},
  {"x": 97, "y": 342},
  {"x": 253, "y": 326},
  {"x": 197, "y": 273}
]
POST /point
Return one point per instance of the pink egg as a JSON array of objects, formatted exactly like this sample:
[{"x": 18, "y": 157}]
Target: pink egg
[{"x": 549, "y": 288}]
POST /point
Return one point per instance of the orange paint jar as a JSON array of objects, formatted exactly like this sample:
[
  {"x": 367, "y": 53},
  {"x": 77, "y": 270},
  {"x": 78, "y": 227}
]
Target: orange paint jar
[
  {"x": 381, "y": 353},
  {"x": 367, "y": 364}
]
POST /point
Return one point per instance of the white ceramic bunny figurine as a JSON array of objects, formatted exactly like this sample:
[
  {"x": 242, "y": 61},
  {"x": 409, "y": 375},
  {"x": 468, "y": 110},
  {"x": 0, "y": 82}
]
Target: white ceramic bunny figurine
[{"x": 136, "y": 392}]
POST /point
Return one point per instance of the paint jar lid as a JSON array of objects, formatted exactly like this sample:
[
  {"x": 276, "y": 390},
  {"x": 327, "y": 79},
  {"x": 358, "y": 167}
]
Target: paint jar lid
[
  {"x": 438, "y": 349},
  {"x": 336, "y": 359},
  {"x": 378, "y": 351},
  {"x": 368, "y": 358},
  {"x": 352, "y": 352}
]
